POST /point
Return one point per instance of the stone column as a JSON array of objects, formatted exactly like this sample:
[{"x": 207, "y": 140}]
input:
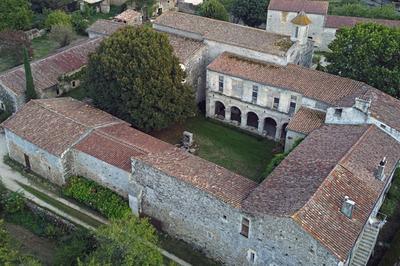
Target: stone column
[
  {"x": 278, "y": 132},
  {"x": 244, "y": 120},
  {"x": 228, "y": 114},
  {"x": 261, "y": 125}
]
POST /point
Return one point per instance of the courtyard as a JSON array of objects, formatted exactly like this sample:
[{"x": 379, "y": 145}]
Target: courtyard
[{"x": 229, "y": 147}]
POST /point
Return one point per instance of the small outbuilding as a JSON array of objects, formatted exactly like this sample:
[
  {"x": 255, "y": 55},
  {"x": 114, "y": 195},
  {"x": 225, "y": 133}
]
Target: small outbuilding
[{"x": 130, "y": 17}]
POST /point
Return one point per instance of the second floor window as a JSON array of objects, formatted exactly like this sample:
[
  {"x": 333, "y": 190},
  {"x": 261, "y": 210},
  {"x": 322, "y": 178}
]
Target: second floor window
[
  {"x": 254, "y": 94},
  {"x": 245, "y": 227},
  {"x": 221, "y": 84},
  {"x": 276, "y": 103},
  {"x": 292, "y": 107}
]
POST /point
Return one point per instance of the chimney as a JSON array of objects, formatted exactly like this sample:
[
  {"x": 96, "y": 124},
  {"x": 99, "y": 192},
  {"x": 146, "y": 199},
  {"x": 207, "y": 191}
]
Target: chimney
[
  {"x": 347, "y": 207},
  {"x": 380, "y": 173},
  {"x": 362, "y": 105}
]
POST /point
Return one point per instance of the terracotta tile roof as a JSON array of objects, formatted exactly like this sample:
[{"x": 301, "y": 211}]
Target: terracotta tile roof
[
  {"x": 352, "y": 177},
  {"x": 105, "y": 27},
  {"x": 313, "y": 84},
  {"x": 337, "y": 22},
  {"x": 311, "y": 7},
  {"x": 306, "y": 120},
  {"x": 46, "y": 71},
  {"x": 294, "y": 181},
  {"x": 56, "y": 124},
  {"x": 231, "y": 188},
  {"x": 128, "y": 15},
  {"x": 225, "y": 32},
  {"x": 184, "y": 48},
  {"x": 117, "y": 144}
]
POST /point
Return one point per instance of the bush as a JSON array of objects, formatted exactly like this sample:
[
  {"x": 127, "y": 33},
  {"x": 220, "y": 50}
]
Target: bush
[
  {"x": 392, "y": 199},
  {"x": 94, "y": 195},
  {"x": 13, "y": 202},
  {"x": 79, "y": 23},
  {"x": 362, "y": 10},
  {"x": 63, "y": 34},
  {"x": 57, "y": 17},
  {"x": 213, "y": 9}
]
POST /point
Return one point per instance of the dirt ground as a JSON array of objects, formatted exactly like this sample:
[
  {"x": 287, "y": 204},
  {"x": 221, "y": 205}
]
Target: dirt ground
[{"x": 41, "y": 248}]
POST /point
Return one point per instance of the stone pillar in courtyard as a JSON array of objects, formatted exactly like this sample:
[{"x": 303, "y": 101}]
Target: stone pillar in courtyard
[
  {"x": 227, "y": 114},
  {"x": 278, "y": 132},
  {"x": 244, "y": 121},
  {"x": 261, "y": 125}
]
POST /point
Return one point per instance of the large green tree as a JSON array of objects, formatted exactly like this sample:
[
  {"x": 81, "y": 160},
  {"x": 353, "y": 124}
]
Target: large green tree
[
  {"x": 126, "y": 241},
  {"x": 57, "y": 17},
  {"x": 30, "y": 87},
  {"x": 15, "y": 15},
  {"x": 369, "y": 53},
  {"x": 252, "y": 12},
  {"x": 213, "y": 9},
  {"x": 363, "y": 10},
  {"x": 135, "y": 76}
]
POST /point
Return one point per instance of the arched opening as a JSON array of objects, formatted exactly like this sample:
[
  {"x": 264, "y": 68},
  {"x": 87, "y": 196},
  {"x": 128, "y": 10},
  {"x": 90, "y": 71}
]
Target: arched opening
[
  {"x": 219, "y": 110},
  {"x": 236, "y": 114},
  {"x": 270, "y": 127},
  {"x": 252, "y": 120},
  {"x": 283, "y": 132}
]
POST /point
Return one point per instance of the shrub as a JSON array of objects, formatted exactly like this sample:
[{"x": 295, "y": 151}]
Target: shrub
[
  {"x": 63, "y": 34},
  {"x": 57, "y": 17},
  {"x": 13, "y": 202},
  {"x": 97, "y": 197},
  {"x": 79, "y": 23},
  {"x": 213, "y": 9}
]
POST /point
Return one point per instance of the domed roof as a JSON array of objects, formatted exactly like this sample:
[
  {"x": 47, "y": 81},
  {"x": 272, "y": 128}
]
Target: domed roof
[{"x": 301, "y": 19}]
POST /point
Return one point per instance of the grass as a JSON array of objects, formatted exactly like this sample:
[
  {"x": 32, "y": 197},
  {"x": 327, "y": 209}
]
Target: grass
[
  {"x": 70, "y": 211},
  {"x": 229, "y": 147}
]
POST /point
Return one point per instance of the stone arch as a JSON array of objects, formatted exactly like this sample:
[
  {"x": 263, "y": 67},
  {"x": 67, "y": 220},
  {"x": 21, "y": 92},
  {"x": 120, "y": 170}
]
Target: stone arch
[
  {"x": 283, "y": 131},
  {"x": 252, "y": 119},
  {"x": 270, "y": 127},
  {"x": 236, "y": 114},
  {"x": 219, "y": 110}
]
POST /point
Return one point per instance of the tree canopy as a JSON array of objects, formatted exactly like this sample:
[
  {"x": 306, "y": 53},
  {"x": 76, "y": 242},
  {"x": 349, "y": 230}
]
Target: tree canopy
[
  {"x": 135, "y": 76},
  {"x": 252, "y": 12},
  {"x": 362, "y": 10},
  {"x": 127, "y": 241},
  {"x": 369, "y": 53},
  {"x": 15, "y": 15},
  {"x": 30, "y": 87},
  {"x": 213, "y": 9}
]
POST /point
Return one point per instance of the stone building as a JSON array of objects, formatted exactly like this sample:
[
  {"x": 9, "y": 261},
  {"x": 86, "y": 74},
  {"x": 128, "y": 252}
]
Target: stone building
[
  {"x": 318, "y": 207},
  {"x": 220, "y": 36},
  {"x": 323, "y": 27},
  {"x": 129, "y": 17},
  {"x": 104, "y": 28},
  {"x": 52, "y": 75}
]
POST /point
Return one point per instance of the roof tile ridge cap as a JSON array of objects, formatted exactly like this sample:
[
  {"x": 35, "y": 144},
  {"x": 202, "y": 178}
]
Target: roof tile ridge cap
[
  {"x": 120, "y": 141},
  {"x": 347, "y": 154}
]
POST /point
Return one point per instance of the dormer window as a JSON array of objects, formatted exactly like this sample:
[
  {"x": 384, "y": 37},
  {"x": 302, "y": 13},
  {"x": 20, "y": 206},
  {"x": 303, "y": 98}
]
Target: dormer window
[
  {"x": 338, "y": 112},
  {"x": 348, "y": 207}
]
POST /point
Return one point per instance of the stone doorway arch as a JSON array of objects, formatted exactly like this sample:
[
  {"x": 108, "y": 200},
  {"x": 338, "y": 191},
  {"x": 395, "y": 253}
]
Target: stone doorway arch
[
  {"x": 236, "y": 114},
  {"x": 252, "y": 120},
  {"x": 270, "y": 127},
  {"x": 219, "y": 110}
]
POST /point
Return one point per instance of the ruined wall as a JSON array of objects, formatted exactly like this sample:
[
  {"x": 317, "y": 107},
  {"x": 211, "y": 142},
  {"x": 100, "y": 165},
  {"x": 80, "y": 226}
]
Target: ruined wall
[
  {"x": 291, "y": 137},
  {"x": 43, "y": 163},
  {"x": 103, "y": 173},
  {"x": 214, "y": 227}
]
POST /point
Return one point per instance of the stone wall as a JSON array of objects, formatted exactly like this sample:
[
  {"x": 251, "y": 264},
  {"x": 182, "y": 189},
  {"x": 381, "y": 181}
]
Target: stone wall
[
  {"x": 42, "y": 162},
  {"x": 103, "y": 173},
  {"x": 291, "y": 137},
  {"x": 196, "y": 73},
  {"x": 10, "y": 100},
  {"x": 214, "y": 227}
]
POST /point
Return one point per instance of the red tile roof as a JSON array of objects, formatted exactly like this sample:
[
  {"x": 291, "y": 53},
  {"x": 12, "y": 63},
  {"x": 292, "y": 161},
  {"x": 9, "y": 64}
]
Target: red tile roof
[
  {"x": 310, "y": 184},
  {"x": 46, "y": 71},
  {"x": 311, "y": 7},
  {"x": 313, "y": 84},
  {"x": 226, "y": 32},
  {"x": 306, "y": 120},
  {"x": 337, "y": 22},
  {"x": 56, "y": 124},
  {"x": 105, "y": 27}
]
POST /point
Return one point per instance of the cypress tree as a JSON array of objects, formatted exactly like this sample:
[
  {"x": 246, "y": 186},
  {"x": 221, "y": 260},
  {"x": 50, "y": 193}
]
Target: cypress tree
[{"x": 30, "y": 87}]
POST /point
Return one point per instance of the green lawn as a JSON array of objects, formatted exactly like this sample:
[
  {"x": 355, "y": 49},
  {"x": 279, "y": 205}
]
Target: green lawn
[
  {"x": 79, "y": 93},
  {"x": 226, "y": 146}
]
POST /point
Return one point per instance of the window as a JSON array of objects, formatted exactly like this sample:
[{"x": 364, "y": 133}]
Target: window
[
  {"x": 292, "y": 106},
  {"x": 276, "y": 103},
  {"x": 73, "y": 84},
  {"x": 296, "y": 32},
  {"x": 383, "y": 126},
  {"x": 245, "y": 227},
  {"x": 254, "y": 95},
  {"x": 251, "y": 256},
  {"x": 338, "y": 112},
  {"x": 2, "y": 106},
  {"x": 221, "y": 84}
]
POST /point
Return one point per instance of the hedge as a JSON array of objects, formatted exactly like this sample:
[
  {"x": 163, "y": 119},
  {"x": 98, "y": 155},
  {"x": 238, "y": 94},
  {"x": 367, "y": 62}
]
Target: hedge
[{"x": 101, "y": 199}]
